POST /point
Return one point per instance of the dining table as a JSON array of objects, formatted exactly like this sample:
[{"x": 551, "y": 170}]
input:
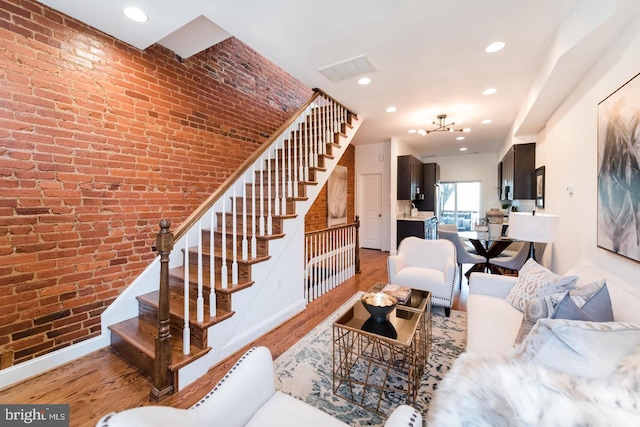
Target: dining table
[{"x": 486, "y": 245}]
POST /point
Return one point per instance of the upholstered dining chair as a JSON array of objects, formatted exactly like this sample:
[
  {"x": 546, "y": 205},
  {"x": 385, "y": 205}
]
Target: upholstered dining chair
[
  {"x": 427, "y": 265},
  {"x": 515, "y": 262},
  {"x": 463, "y": 256}
]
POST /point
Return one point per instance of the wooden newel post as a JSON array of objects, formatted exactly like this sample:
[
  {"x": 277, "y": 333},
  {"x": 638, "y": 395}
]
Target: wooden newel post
[
  {"x": 357, "y": 244},
  {"x": 162, "y": 378}
]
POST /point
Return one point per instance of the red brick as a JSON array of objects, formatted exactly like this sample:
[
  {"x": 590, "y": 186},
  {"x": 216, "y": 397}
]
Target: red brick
[{"x": 105, "y": 141}]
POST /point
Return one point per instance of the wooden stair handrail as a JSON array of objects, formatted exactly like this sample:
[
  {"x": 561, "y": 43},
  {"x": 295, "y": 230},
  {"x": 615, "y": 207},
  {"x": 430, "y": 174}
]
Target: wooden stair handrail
[{"x": 220, "y": 191}]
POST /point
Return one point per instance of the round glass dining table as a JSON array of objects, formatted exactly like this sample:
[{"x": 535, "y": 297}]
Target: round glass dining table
[{"x": 488, "y": 246}]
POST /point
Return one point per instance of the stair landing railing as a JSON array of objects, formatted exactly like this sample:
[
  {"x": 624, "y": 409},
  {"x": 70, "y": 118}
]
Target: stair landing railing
[
  {"x": 240, "y": 210},
  {"x": 332, "y": 256}
]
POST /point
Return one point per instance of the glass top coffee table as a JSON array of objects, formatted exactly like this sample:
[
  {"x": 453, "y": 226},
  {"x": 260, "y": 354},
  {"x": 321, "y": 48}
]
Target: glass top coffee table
[{"x": 382, "y": 360}]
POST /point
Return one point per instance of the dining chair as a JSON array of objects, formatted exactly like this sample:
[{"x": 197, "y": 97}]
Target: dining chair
[
  {"x": 515, "y": 262},
  {"x": 463, "y": 256}
]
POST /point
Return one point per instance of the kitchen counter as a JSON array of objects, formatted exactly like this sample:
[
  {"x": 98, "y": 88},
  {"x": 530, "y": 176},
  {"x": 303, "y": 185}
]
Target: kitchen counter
[{"x": 415, "y": 218}]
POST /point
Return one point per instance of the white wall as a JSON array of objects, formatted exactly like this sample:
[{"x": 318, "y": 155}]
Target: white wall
[
  {"x": 567, "y": 147},
  {"x": 472, "y": 167}
]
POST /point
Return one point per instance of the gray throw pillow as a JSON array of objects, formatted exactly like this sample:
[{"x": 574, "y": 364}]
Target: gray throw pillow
[{"x": 590, "y": 303}]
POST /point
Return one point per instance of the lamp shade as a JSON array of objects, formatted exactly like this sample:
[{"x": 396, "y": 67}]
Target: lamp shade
[{"x": 539, "y": 228}]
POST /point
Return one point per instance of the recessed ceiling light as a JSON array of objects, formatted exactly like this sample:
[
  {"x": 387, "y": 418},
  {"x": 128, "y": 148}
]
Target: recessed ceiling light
[
  {"x": 364, "y": 81},
  {"x": 494, "y": 47},
  {"x": 490, "y": 91},
  {"x": 391, "y": 109},
  {"x": 466, "y": 130},
  {"x": 460, "y": 138},
  {"x": 486, "y": 121},
  {"x": 463, "y": 148},
  {"x": 412, "y": 131},
  {"x": 136, "y": 14}
]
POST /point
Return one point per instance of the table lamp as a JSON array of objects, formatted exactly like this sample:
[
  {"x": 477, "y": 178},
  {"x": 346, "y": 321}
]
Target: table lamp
[{"x": 532, "y": 228}]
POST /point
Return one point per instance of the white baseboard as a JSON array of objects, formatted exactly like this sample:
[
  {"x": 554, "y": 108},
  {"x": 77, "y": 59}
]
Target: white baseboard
[{"x": 39, "y": 365}]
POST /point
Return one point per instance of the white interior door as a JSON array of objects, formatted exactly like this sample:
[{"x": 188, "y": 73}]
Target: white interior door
[{"x": 371, "y": 211}]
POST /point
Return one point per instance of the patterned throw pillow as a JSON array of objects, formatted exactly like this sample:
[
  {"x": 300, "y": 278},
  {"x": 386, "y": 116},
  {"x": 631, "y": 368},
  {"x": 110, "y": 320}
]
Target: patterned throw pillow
[
  {"x": 588, "y": 349},
  {"x": 590, "y": 302},
  {"x": 535, "y": 281},
  {"x": 538, "y": 308}
]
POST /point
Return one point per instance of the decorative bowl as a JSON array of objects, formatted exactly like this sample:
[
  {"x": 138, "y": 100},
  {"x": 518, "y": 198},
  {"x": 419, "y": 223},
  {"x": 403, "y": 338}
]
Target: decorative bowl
[{"x": 378, "y": 304}]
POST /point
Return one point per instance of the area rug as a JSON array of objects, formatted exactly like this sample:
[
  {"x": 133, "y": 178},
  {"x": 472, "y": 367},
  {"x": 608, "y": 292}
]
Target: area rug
[{"x": 305, "y": 370}]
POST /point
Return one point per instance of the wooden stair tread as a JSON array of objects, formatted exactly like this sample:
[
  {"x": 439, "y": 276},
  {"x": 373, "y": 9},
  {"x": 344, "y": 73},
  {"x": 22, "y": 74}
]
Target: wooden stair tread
[
  {"x": 178, "y": 273},
  {"x": 218, "y": 255},
  {"x": 176, "y": 308},
  {"x": 142, "y": 335}
]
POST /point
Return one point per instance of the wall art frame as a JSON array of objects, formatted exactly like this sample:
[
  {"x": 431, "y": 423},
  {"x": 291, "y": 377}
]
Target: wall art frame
[
  {"x": 540, "y": 185},
  {"x": 618, "y": 174},
  {"x": 337, "y": 197}
]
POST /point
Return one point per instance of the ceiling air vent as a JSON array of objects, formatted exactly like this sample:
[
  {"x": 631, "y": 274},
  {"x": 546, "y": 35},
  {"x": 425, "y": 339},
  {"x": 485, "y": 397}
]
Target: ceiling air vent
[{"x": 348, "y": 68}]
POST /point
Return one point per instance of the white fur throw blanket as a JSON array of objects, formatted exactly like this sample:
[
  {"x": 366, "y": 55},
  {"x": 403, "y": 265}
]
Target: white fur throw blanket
[{"x": 509, "y": 392}]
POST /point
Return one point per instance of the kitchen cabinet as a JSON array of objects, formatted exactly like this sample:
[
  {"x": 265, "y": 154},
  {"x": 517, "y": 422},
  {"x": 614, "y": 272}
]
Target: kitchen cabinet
[
  {"x": 423, "y": 228},
  {"x": 430, "y": 177},
  {"x": 517, "y": 173},
  {"x": 409, "y": 178}
]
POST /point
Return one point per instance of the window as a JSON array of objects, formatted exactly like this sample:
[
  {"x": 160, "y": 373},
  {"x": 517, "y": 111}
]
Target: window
[{"x": 459, "y": 203}]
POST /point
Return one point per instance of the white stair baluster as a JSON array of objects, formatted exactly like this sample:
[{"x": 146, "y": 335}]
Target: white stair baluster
[
  {"x": 245, "y": 242},
  {"x": 200, "y": 299},
  {"x": 186, "y": 331},
  {"x": 269, "y": 199},
  {"x": 261, "y": 200},
  {"x": 234, "y": 240},
  {"x": 224, "y": 280},
  {"x": 276, "y": 187},
  {"x": 212, "y": 266},
  {"x": 254, "y": 249}
]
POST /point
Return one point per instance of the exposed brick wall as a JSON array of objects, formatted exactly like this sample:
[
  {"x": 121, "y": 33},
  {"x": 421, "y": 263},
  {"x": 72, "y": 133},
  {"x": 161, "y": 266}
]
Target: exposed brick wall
[
  {"x": 99, "y": 142},
  {"x": 316, "y": 218}
]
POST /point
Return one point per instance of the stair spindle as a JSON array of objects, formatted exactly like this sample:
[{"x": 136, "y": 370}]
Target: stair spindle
[
  {"x": 186, "y": 331},
  {"x": 212, "y": 267},
  {"x": 234, "y": 240},
  {"x": 200, "y": 299}
]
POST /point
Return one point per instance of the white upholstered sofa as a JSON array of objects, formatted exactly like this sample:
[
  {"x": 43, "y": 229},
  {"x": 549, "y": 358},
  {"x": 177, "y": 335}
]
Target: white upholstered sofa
[
  {"x": 246, "y": 396},
  {"x": 563, "y": 373},
  {"x": 493, "y": 323}
]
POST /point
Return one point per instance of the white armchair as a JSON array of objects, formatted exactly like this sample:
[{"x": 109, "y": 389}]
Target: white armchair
[
  {"x": 428, "y": 265},
  {"x": 246, "y": 396}
]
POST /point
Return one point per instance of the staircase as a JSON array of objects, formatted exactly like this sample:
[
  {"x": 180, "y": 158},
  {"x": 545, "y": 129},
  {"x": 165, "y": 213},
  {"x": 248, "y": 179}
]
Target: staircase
[{"x": 227, "y": 246}]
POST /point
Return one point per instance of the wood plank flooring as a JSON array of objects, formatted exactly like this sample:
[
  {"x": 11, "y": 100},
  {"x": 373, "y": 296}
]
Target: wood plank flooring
[{"x": 102, "y": 382}]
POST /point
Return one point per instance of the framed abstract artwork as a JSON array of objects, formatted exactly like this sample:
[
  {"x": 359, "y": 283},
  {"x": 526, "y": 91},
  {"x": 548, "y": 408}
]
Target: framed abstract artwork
[
  {"x": 337, "y": 197},
  {"x": 619, "y": 171},
  {"x": 540, "y": 187}
]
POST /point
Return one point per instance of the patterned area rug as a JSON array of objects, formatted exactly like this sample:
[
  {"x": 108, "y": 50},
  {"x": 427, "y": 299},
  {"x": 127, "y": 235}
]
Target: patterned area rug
[{"x": 305, "y": 370}]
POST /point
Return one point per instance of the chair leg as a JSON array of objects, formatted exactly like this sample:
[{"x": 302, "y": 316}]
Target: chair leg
[{"x": 447, "y": 311}]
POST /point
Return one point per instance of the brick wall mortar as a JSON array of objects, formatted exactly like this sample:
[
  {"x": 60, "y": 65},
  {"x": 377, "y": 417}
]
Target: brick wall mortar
[{"x": 100, "y": 142}]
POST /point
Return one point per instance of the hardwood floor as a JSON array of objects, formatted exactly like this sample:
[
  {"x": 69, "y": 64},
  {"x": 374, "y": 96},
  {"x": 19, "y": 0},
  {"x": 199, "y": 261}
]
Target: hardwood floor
[{"x": 102, "y": 382}]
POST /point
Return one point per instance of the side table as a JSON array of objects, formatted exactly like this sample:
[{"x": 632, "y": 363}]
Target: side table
[{"x": 375, "y": 360}]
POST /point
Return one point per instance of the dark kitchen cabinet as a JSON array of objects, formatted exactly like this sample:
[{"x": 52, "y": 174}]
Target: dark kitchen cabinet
[
  {"x": 409, "y": 178},
  {"x": 517, "y": 173},
  {"x": 424, "y": 229},
  {"x": 430, "y": 177}
]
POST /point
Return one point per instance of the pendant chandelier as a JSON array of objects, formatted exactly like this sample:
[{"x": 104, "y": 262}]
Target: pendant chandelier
[{"x": 443, "y": 126}]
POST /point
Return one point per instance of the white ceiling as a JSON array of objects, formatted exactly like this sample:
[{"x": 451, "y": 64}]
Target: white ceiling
[{"x": 429, "y": 54}]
